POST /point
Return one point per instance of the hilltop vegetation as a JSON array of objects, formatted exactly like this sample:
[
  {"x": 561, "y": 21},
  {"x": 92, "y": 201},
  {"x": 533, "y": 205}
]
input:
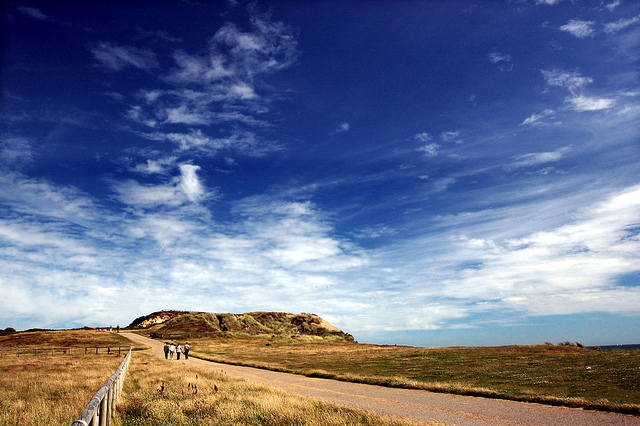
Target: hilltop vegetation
[{"x": 252, "y": 323}]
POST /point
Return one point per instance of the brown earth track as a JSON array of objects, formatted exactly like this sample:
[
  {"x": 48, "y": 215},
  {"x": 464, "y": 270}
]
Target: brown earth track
[{"x": 411, "y": 404}]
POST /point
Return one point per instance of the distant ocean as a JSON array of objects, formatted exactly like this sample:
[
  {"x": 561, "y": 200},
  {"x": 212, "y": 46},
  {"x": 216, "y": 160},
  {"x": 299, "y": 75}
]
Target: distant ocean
[{"x": 614, "y": 347}]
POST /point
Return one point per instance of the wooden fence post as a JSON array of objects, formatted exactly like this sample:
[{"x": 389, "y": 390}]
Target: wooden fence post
[
  {"x": 101, "y": 408},
  {"x": 104, "y": 411}
]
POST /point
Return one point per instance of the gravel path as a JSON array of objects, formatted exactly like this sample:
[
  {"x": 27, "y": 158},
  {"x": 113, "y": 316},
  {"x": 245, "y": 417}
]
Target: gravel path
[{"x": 412, "y": 404}]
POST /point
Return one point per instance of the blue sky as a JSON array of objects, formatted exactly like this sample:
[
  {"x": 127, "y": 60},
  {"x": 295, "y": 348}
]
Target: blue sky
[{"x": 424, "y": 173}]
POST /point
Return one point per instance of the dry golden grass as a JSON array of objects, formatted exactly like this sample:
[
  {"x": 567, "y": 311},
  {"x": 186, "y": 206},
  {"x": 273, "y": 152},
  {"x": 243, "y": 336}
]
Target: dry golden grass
[
  {"x": 53, "y": 390},
  {"x": 221, "y": 400},
  {"x": 62, "y": 338},
  {"x": 50, "y": 390},
  {"x": 550, "y": 374}
]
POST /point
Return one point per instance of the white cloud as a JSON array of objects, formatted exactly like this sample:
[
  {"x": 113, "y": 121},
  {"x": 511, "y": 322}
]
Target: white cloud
[
  {"x": 160, "y": 166},
  {"x": 190, "y": 183},
  {"x": 270, "y": 47},
  {"x": 496, "y": 57},
  {"x": 137, "y": 114},
  {"x": 502, "y": 59},
  {"x": 243, "y": 91},
  {"x": 536, "y": 158},
  {"x": 451, "y": 136},
  {"x": 569, "y": 80},
  {"x": 133, "y": 193},
  {"x": 562, "y": 269},
  {"x": 621, "y": 24},
  {"x": 344, "y": 127},
  {"x": 611, "y": 6},
  {"x": 15, "y": 151},
  {"x": 573, "y": 81},
  {"x": 32, "y": 12},
  {"x": 196, "y": 140},
  {"x": 244, "y": 143},
  {"x": 31, "y": 196},
  {"x": 223, "y": 84},
  {"x": 536, "y": 119},
  {"x": 151, "y": 96},
  {"x": 578, "y": 28},
  {"x": 584, "y": 103},
  {"x": 117, "y": 58},
  {"x": 182, "y": 115},
  {"x": 430, "y": 149},
  {"x": 198, "y": 69},
  {"x": 239, "y": 56},
  {"x": 549, "y": 2},
  {"x": 423, "y": 137},
  {"x": 441, "y": 185}
]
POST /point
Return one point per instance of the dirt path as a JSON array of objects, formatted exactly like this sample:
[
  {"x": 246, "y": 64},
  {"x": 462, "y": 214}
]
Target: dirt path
[{"x": 412, "y": 404}]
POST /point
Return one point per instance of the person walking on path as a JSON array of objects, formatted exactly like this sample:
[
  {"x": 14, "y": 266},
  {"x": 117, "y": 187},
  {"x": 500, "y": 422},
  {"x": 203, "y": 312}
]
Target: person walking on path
[
  {"x": 179, "y": 351},
  {"x": 166, "y": 350},
  {"x": 186, "y": 350},
  {"x": 172, "y": 350}
]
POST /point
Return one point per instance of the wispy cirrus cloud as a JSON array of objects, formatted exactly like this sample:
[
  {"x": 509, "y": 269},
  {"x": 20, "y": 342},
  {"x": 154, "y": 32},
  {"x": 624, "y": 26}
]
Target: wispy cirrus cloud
[
  {"x": 569, "y": 80},
  {"x": 578, "y": 260},
  {"x": 503, "y": 60},
  {"x": 160, "y": 166},
  {"x": 179, "y": 190},
  {"x": 537, "y": 119},
  {"x": 451, "y": 136},
  {"x": 241, "y": 142},
  {"x": 190, "y": 183},
  {"x": 537, "y": 158},
  {"x": 621, "y": 24},
  {"x": 344, "y": 127},
  {"x": 116, "y": 58},
  {"x": 32, "y": 12},
  {"x": 223, "y": 85},
  {"x": 586, "y": 103},
  {"x": 573, "y": 81},
  {"x": 579, "y": 28},
  {"x": 611, "y": 6},
  {"x": 497, "y": 57},
  {"x": 430, "y": 149},
  {"x": 15, "y": 151}
]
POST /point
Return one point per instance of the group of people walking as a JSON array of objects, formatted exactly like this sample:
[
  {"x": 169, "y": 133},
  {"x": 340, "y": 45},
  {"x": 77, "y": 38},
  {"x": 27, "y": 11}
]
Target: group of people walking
[{"x": 171, "y": 349}]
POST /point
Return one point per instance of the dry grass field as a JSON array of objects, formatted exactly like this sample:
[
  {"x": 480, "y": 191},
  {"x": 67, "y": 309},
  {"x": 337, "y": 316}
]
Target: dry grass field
[
  {"x": 50, "y": 390},
  {"x": 62, "y": 338},
  {"x": 53, "y": 390},
  {"x": 552, "y": 374},
  {"x": 160, "y": 393}
]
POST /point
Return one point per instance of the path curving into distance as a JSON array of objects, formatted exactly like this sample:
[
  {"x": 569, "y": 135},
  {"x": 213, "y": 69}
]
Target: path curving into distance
[{"x": 411, "y": 404}]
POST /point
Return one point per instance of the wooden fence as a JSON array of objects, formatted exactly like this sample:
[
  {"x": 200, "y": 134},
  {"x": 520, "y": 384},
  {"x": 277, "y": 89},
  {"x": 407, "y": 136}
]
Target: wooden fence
[
  {"x": 100, "y": 409},
  {"x": 64, "y": 350}
]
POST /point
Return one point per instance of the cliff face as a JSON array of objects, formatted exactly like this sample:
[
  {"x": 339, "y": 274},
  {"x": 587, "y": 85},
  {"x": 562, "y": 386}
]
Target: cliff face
[{"x": 273, "y": 323}]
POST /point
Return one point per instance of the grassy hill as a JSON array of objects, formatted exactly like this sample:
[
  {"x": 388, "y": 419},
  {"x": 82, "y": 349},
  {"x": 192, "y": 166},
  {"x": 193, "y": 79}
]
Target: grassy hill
[{"x": 253, "y": 323}]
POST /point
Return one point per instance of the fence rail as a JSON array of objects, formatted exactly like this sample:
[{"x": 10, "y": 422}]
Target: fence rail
[
  {"x": 64, "y": 350},
  {"x": 100, "y": 409}
]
